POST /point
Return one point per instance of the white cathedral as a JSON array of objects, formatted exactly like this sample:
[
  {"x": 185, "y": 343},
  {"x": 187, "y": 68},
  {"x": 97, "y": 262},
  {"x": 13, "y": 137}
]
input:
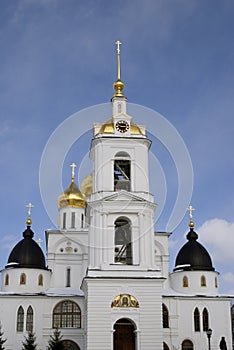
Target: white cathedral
[{"x": 106, "y": 283}]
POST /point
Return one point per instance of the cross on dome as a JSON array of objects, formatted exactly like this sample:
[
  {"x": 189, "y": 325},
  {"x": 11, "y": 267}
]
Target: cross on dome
[
  {"x": 73, "y": 166},
  {"x": 29, "y": 206},
  {"x": 191, "y": 209}
]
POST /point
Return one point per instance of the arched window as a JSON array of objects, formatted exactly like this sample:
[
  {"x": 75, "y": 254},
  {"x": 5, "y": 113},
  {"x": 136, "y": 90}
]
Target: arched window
[
  {"x": 20, "y": 320},
  {"x": 216, "y": 282},
  {"x": 165, "y": 316},
  {"x": 185, "y": 281},
  {"x": 205, "y": 320},
  {"x": 123, "y": 245},
  {"x": 82, "y": 220},
  {"x": 69, "y": 344},
  {"x": 68, "y": 277},
  {"x": 122, "y": 172},
  {"x": 7, "y": 280},
  {"x": 64, "y": 220},
  {"x": 187, "y": 345},
  {"x": 196, "y": 320},
  {"x": 23, "y": 278},
  {"x": 203, "y": 281},
  {"x": 66, "y": 314},
  {"x": 165, "y": 346},
  {"x": 73, "y": 219},
  {"x": 29, "y": 319},
  {"x": 40, "y": 280}
]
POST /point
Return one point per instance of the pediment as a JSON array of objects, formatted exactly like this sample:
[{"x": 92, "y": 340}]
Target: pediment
[{"x": 123, "y": 196}]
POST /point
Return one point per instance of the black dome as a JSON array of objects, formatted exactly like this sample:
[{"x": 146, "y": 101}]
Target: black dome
[
  {"x": 193, "y": 256},
  {"x": 27, "y": 253}
]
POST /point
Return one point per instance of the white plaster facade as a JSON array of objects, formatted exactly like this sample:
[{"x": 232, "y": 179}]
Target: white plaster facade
[{"x": 83, "y": 267}]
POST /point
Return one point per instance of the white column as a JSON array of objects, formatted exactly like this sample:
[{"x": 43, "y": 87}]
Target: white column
[
  {"x": 91, "y": 240},
  {"x": 135, "y": 242},
  {"x": 112, "y": 175},
  {"x": 96, "y": 240},
  {"x": 137, "y": 340},
  {"x": 151, "y": 233},
  {"x": 133, "y": 174},
  {"x": 104, "y": 239},
  {"x": 110, "y": 244},
  {"x": 142, "y": 240}
]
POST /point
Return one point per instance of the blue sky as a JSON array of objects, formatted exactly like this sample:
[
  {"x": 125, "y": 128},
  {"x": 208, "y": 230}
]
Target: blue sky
[{"x": 58, "y": 57}]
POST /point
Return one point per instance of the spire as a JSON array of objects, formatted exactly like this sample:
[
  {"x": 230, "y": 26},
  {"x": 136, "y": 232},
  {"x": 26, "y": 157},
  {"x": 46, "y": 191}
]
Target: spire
[
  {"x": 191, "y": 223},
  {"x": 118, "y": 43},
  {"x": 73, "y": 166},
  {"x": 29, "y": 221},
  {"x": 118, "y": 84}
]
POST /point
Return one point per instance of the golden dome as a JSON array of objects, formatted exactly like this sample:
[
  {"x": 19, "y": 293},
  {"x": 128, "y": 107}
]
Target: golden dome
[
  {"x": 87, "y": 186},
  {"x": 108, "y": 128},
  {"x": 72, "y": 197}
]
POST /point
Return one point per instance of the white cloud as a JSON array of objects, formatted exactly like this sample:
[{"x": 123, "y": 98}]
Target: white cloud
[{"x": 218, "y": 236}]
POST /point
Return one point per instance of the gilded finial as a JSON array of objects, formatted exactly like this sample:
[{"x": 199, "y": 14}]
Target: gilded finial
[
  {"x": 118, "y": 84},
  {"x": 73, "y": 166},
  {"x": 191, "y": 223},
  {"x": 29, "y": 221}
]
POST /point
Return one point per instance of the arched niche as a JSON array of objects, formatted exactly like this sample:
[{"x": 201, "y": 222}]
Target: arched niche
[{"x": 125, "y": 300}]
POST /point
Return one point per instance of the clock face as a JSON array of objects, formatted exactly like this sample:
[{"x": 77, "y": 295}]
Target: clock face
[{"x": 122, "y": 126}]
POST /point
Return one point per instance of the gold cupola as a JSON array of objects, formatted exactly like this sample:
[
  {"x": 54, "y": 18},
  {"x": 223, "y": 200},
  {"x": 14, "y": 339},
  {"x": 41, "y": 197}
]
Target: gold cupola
[
  {"x": 72, "y": 196},
  {"x": 108, "y": 127}
]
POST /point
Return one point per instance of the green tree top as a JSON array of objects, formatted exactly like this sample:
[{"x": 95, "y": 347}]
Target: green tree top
[
  {"x": 2, "y": 341},
  {"x": 30, "y": 342},
  {"x": 55, "y": 342}
]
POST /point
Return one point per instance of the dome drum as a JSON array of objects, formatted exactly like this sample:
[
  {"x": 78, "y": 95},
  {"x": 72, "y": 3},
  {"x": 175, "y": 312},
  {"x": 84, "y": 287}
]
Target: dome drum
[
  {"x": 195, "y": 282},
  {"x": 30, "y": 280},
  {"x": 71, "y": 218}
]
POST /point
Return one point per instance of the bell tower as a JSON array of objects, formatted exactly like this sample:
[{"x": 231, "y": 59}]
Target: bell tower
[
  {"x": 121, "y": 208},
  {"x": 123, "y": 284}
]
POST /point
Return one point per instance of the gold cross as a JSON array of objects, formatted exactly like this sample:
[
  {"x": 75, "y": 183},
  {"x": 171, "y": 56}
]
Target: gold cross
[
  {"x": 73, "y": 166},
  {"x": 118, "y": 43},
  {"x": 29, "y": 206},
  {"x": 190, "y": 208}
]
